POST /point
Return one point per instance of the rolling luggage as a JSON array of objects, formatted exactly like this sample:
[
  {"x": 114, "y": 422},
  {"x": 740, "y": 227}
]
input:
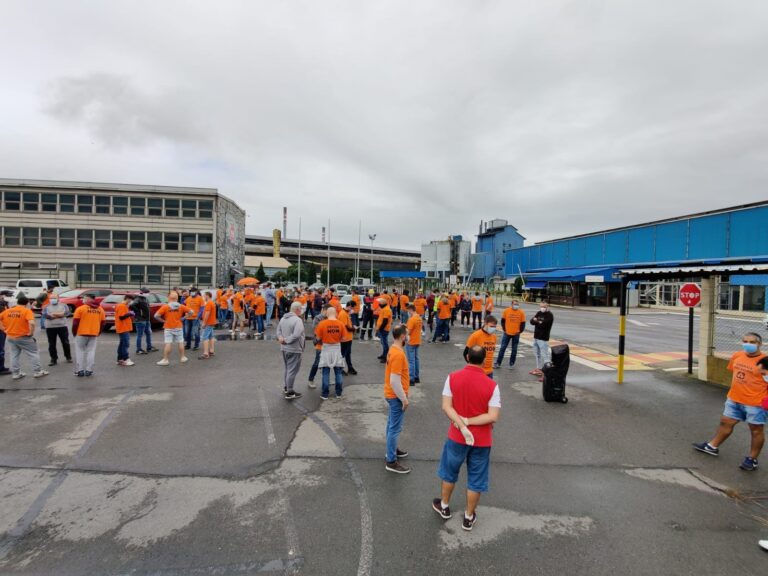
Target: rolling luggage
[{"x": 554, "y": 373}]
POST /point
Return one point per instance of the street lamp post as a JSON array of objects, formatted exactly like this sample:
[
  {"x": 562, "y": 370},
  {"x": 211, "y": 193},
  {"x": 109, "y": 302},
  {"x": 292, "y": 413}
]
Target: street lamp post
[{"x": 372, "y": 238}]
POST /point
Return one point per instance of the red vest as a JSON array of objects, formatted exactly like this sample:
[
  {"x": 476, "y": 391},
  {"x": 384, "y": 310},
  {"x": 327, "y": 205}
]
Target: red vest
[{"x": 472, "y": 391}]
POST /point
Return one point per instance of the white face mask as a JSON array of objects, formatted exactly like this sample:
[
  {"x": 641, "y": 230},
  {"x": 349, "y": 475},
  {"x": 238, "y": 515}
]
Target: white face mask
[
  {"x": 765, "y": 377},
  {"x": 54, "y": 301},
  {"x": 542, "y": 309},
  {"x": 515, "y": 307},
  {"x": 173, "y": 305},
  {"x": 490, "y": 329}
]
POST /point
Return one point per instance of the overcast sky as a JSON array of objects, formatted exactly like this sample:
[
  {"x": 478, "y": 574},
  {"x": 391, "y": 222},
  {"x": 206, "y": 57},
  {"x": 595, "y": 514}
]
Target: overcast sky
[{"x": 419, "y": 118}]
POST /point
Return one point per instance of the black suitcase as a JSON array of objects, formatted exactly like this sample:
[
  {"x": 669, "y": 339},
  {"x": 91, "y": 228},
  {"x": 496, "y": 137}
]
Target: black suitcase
[{"x": 554, "y": 374}]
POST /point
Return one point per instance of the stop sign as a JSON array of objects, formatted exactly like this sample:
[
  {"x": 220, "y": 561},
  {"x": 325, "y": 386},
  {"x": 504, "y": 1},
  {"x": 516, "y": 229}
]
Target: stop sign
[{"x": 690, "y": 295}]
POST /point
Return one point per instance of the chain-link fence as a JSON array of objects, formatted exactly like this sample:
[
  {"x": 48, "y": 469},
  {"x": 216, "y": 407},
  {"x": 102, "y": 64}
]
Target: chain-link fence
[{"x": 739, "y": 309}]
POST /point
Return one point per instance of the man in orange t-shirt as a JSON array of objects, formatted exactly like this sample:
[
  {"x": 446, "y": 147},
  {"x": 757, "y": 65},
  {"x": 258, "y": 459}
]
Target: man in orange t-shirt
[
  {"x": 18, "y": 324},
  {"x": 329, "y": 333},
  {"x": 123, "y": 328},
  {"x": 383, "y": 327},
  {"x": 259, "y": 311},
  {"x": 171, "y": 316},
  {"x": 512, "y": 324},
  {"x": 396, "y": 387},
  {"x": 453, "y": 298},
  {"x": 477, "y": 311},
  {"x": 209, "y": 321},
  {"x": 88, "y": 322},
  {"x": 745, "y": 402},
  {"x": 414, "y": 324},
  {"x": 443, "y": 329},
  {"x": 486, "y": 339},
  {"x": 192, "y": 320},
  {"x": 238, "y": 312},
  {"x": 345, "y": 317}
]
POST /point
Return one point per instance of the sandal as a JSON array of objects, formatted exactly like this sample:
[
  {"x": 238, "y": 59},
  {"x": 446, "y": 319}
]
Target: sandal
[{"x": 203, "y": 357}]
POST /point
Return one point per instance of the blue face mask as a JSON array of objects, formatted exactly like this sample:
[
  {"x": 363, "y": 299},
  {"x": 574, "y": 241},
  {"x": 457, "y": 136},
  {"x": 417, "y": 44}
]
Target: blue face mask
[{"x": 749, "y": 348}]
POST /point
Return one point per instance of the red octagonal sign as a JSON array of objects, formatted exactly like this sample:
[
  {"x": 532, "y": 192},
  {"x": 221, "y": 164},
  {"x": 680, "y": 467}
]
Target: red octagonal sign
[{"x": 690, "y": 295}]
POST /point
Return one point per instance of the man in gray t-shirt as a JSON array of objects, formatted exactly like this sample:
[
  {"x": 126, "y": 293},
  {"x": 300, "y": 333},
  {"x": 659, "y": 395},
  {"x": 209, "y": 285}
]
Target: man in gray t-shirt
[{"x": 55, "y": 315}]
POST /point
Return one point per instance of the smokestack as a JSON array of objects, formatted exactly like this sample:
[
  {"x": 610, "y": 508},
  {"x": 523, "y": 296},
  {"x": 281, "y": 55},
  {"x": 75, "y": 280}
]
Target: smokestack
[
  {"x": 285, "y": 221},
  {"x": 276, "y": 243},
  {"x": 322, "y": 237}
]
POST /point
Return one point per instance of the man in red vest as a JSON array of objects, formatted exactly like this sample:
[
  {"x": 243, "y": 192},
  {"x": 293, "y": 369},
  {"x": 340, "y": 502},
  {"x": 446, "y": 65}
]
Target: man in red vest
[{"x": 472, "y": 403}]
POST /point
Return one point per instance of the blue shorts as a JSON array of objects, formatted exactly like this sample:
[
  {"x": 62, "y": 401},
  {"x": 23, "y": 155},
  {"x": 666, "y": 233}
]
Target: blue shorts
[
  {"x": 477, "y": 458},
  {"x": 207, "y": 333},
  {"x": 742, "y": 412}
]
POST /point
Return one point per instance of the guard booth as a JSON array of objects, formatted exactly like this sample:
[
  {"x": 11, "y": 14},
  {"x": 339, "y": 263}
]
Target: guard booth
[{"x": 411, "y": 280}]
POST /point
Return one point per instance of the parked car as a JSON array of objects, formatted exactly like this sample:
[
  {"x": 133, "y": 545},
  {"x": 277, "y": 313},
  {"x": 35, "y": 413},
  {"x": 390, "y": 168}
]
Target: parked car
[
  {"x": 340, "y": 289},
  {"x": 10, "y": 295},
  {"x": 34, "y": 286},
  {"x": 74, "y": 298},
  {"x": 112, "y": 300}
]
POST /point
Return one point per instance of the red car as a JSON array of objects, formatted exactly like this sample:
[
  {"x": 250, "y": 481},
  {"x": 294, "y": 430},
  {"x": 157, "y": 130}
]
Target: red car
[
  {"x": 74, "y": 298},
  {"x": 110, "y": 302}
]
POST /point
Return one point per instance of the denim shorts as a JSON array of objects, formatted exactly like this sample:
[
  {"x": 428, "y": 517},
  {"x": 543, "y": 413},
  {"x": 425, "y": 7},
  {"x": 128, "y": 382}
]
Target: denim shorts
[
  {"x": 207, "y": 333},
  {"x": 477, "y": 458},
  {"x": 737, "y": 411},
  {"x": 174, "y": 336}
]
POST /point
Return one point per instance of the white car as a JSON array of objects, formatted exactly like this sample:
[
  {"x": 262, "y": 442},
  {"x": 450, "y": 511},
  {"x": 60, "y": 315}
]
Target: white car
[{"x": 34, "y": 286}]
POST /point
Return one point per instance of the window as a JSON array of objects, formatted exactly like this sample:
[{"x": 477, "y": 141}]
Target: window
[
  {"x": 137, "y": 206},
  {"x": 171, "y": 208},
  {"x": 12, "y": 201},
  {"x": 206, "y": 208},
  {"x": 119, "y": 273},
  {"x": 85, "y": 238},
  {"x": 84, "y": 203},
  {"x": 172, "y": 241},
  {"x": 204, "y": 276},
  {"x": 102, "y": 204},
  {"x": 31, "y": 202},
  {"x": 154, "y": 240},
  {"x": 12, "y": 236},
  {"x": 30, "y": 284},
  {"x": 84, "y": 272},
  {"x": 102, "y": 238},
  {"x": 205, "y": 243},
  {"x": 189, "y": 208},
  {"x": 137, "y": 274},
  {"x": 48, "y": 237},
  {"x": 188, "y": 275},
  {"x": 137, "y": 240},
  {"x": 188, "y": 242},
  {"x": 154, "y": 274},
  {"x": 49, "y": 203},
  {"x": 154, "y": 206},
  {"x": 66, "y": 238},
  {"x": 67, "y": 203},
  {"x": 101, "y": 273},
  {"x": 119, "y": 240},
  {"x": 32, "y": 237},
  {"x": 119, "y": 205}
]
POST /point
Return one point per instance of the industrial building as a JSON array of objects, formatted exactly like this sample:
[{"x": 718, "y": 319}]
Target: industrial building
[
  {"x": 118, "y": 235},
  {"x": 494, "y": 239},
  {"x": 447, "y": 260}
]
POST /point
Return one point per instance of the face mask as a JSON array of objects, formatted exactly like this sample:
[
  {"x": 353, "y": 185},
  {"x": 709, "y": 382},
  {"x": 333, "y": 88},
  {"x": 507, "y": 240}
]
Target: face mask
[
  {"x": 765, "y": 378},
  {"x": 54, "y": 301},
  {"x": 173, "y": 305},
  {"x": 749, "y": 348},
  {"x": 542, "y": 310},
  {"x": 515, "y": 307},
  {"x": 490, "y": 329}
]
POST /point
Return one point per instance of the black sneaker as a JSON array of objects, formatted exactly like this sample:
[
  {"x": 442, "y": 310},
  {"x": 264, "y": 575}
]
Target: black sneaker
[
  {"x": 437, "y": 506},
  {"x": 153, "y": 349},
  {"x": 707, "y": 449},
  {"x": 292, "y": 395},
  {"x": 140, "y": 352},
  {"x": 88, "y": 373},
  {"x": 353, "y": 372},
  {"x": 417, "y": 380},
  {"x": 469, "y": 523},
  {"x": 397, "y": 468},
  {"x": 80, "y": 374},
  {"x": 69, "y": 360},
  {"x": 401, "y": 453},
  {"x": 52, "y": 363}
]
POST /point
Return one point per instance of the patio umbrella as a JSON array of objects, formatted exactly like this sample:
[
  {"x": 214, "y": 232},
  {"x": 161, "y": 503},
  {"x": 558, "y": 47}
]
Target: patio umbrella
[{"x": 248, "y": 281}]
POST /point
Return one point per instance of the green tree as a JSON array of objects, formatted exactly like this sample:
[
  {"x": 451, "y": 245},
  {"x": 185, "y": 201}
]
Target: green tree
[
  {"x": 260, "y": 274},
  {"x": 309, "y": 273},
  {"x": 518, "y": 285}
]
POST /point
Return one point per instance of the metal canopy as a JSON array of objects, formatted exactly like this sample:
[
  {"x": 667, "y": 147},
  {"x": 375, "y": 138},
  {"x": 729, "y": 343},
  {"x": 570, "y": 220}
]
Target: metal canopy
[{"x": 702, "y": 270}]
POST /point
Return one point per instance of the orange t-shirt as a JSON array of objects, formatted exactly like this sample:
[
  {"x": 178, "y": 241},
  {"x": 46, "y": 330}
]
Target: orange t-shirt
[
  {"x": 454, "y": 300},
  {"x": 172, "y": 318},
  {"x": 414, "y": 326},
  {"x": 443, "y": 310},
  {"x": 237, "y": 303},
  {"x": 90, "y": 320},
  {"x": 194, "y": 303},
  {"x": 477, "y": 304},
  {"x": 259, "y": 305},
  {"x": 347, "y": 322},
  {"x": 386, "y": 297},
  {"x": 210, "y": 309},
  {"x": 223, "y": 303},
  {"x": 421, "y": 306},
  {"x": 122, "y": 325},
  {"x": 397, "y": 363},
  {"x": 330, "y": 331},
  {"x": 16, "y": 321},
  {"x": 385, "y": 319},
  {"x": 487, "y": 341},
  {"x": 375, "y": 306},
  {"x": 747, "y": 386},
  {"x": 489, "y": 304},
  {"x": 335, "y": 303},
  {"x": 404, "y": 301},
  {"x": 512, "y": 320},
  {"x": 355, "y": 304}
]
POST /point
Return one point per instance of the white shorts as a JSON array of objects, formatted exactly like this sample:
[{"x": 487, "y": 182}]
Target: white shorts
[{"x": 174, "y": 335}]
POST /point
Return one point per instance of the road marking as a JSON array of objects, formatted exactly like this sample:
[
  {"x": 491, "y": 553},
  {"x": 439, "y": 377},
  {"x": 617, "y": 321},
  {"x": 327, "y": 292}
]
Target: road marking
[
  {"x": 590, "y": 364},
  {"x": 637, "y": 323},
  {"x": 676, "y": 369},
  {"x": 267, "y": 419}
]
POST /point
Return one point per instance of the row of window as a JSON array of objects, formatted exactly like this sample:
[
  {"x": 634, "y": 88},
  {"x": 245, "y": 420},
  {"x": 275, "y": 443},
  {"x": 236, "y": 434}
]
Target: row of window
[
  {"x": 109, "y": 274},
  {"x": 114, "y": 205},
  {"x": 106, "y": 239}
]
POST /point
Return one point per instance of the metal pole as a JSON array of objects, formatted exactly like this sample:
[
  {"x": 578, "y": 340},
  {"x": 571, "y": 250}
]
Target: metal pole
[
  {"x": 622, "y": 327},
  {"x": 690, "y": 340},
  {"x": 328, "y": 275},
  {"x": 298, "y": 279},
  {"x": 359, "y": 240}
]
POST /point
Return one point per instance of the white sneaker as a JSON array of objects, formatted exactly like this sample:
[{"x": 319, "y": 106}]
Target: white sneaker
[
  {"x": 19, "y": 376},
  {"x": 763, "y": 544},
  {"x": 40, "y": 374},
  {"x": 128, "y": 362},
  {"x": 183, "y": 359},
  {"x": 163, "y": 362},
  {"x": 311, "y": 385}
]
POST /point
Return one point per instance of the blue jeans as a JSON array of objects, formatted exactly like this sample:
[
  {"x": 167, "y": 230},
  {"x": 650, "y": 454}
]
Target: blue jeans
[
  {"x": 505, "y": 340},
  {"x": 412, "y": 352},
  {"x": 192, "y": 327},
  {"x": 541, "y": 351},
  {"x": 143, "y": 329},
  {"x": 338, "y": 378},
  {"x": 259, "y": 323},
  {"x": 270, "y": 309},
  {"x": 315, "y": 364},
  {"x": 221, "y": 315},
  {"x": 384, "y": 338},
  {"x": 394, "y": 426},
  {"x": 441, "y": 330},
  {"x": 124, "y": 345},
  {"x": 2, "y": 351}
]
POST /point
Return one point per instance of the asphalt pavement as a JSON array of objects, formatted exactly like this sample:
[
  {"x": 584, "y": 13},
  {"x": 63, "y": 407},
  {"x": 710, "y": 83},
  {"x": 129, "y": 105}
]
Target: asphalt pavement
[{"x": 204, "y": 468}]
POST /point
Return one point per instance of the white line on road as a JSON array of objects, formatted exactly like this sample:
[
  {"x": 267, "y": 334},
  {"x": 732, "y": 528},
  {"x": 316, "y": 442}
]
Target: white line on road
[
  {"x": 637, "y": 323},
  {"x": 676, "y": 369},
  {"x": 590, "y": 364},
  {"x": 267, "y": 419}
]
